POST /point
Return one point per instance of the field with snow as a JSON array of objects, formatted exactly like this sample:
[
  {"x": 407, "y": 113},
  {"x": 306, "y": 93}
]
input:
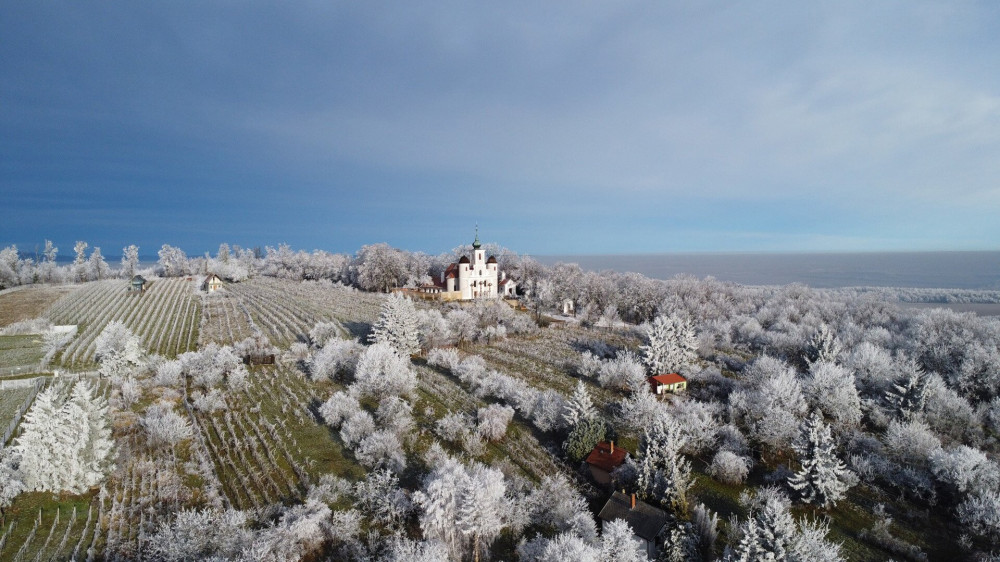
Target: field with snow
[{"x": 314, "y": 437}]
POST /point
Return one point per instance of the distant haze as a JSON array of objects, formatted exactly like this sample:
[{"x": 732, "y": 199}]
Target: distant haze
[{"x": 951, "y": 270}]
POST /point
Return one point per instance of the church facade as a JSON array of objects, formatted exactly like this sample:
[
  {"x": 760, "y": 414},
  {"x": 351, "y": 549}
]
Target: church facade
[{"x": 473, "y": 278}]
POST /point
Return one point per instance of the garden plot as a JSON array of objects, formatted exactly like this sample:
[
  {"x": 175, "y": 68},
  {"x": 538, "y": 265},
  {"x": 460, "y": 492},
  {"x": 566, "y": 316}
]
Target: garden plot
[{"x": 21, "y": 350}]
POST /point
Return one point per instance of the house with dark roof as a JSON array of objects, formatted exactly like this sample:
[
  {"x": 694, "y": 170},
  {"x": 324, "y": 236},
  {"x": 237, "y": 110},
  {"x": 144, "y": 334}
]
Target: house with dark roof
[
  {"x": 603, "y": 460},
  {"x": 645, "y": 520},
  {"x": 137, "y": 285},
  {"x": 670, "y": 382}
]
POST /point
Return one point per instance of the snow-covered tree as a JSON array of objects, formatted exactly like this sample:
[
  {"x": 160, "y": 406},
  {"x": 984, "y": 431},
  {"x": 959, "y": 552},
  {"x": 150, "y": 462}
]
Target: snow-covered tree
[
  {"x": 164, "y": 426},
  {"x": 382, "y": 372},
  {"x": 86, "y": 414},
  {"x": 624, "y": 372},
  {"x": 823, "y": 478},
  {"x": 45, "y": 440},
  {"x": 831, "y": 388},
  {"x": 908, "y": 397},
  {"x": 80, "y": 272},
  {"x": 730, "y": 468},
  {"x": 981, "y": 513},
  {"x": 98, "y": 267},
  {"x": 117, "y": 350},
  {"x": 618, "y": 545},
  {"x": 434, "y": 329},
  {"x": 823, "y": 346},
  {"x": 382, "y": 500},
  {"x": 492, "y": 421},
  {"x": 672, "y": 344},
  {"x": 664, "y": 475},
  {"x": 440, "y": 501},
  {"x": 173, "y": 261},
  {"x": 398, "y": 326},
  {"x": 770, "y": 533},
  {"x": 579, "y": 407},
  {"x": 11, "y": 479},
  {"x": 483, "y": 511},
  {"x": 336, "y": 358},
  {"x": 130, "y": 260},
  {"x": 381, "y": 449},
  {"x": 323, "y": 332},
  {"x": 64, "y": 445},
  {"x": 200, "y": 535}
]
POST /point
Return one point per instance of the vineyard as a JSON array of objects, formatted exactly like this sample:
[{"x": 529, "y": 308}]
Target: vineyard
[{"x": 165, "y": 317}]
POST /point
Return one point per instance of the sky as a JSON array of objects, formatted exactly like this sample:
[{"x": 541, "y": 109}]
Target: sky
[{"x": 556, "y": 127}]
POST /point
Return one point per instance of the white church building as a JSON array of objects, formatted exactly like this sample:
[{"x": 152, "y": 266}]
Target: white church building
[{"x": 476, "y": 278}]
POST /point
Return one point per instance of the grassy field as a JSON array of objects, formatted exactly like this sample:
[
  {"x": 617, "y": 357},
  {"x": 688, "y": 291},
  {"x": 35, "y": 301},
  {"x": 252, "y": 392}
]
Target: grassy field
[
  {"x": 21, "y": 350},
  {"x": 10, "y": 400},
  {"x": 25, "y": 303}
]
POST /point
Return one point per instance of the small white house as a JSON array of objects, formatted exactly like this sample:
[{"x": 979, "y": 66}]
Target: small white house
[{"x": 212, "y": 283}]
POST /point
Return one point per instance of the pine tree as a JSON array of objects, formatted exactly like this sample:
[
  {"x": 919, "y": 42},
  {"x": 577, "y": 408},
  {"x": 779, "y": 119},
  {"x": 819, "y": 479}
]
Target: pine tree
[
  {"x": 86, "y": 415},
  {"x": 822, "y": 479},
  {"x": 672, "y": 344},
  {"x": 579, "y": 407},
  {"x": 398, "y": 325},
  {"x": 664, "y": 475},
  {"x": 617, "y": 544},
  {"x": 907, "y": 399},
  {"x": 584, "y": 436}
]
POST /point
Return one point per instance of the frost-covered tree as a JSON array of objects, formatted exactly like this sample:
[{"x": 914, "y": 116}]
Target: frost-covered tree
[
  {"x": 130, "y": 260},
  {"x": 823, "y": 346},
  {"x": 382, "y": 372},
  {"x": 492, "y": 421},
  {"x": 624, "y": 372},
  {"x": 381, "y": 449},
  {"x": 336, "y": 358},
  {"x": 339, "y": 407},
  {"x": 80, "y": 270},
  {"x": 440, "y": 501},
  {"x": 64, "y": 444},
  {"x": 398, "y": 326},
  {"x": 164, "y": 426},
  {"x": 484, "y": 508},
  {"x": 98, "y": 267},
  {"x": 672, "y": 344},
  {"x": 173, "y": 261},
  {"x": 908, "y": 397},
  {"x": 981, "y": 513},
  {"x": 664, "y": 475},
  {"x": 823, "y": 479},
  {"x": 730, "y": 468},
  {"x": 382, "y": 500},
  {"x": 434, "y": 329},
  {"x": 200, "y": 535},
  {"x": 45, "y": 440},
  {"x": 770, "y": 404},
  {"x": 86, "y": 414},
  {"x": 117, "y": 350},
  {"x": 579, "y": 407},
  {"x": 564, "y": 547},
  {"x": 11, "y": 479},
  {"x": 770, "y": 533},
  {"x": 618, "y": 545},
  {"x": 831, "y": 388},
  {"x": 323, "y": 332}
]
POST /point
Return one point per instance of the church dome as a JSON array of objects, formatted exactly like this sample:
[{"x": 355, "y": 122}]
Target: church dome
[
  {"x": 492, "y": 259},
  {"x": 465, "y": 259}
]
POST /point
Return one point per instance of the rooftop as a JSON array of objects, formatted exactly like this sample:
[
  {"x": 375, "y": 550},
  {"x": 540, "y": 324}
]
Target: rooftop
[
  {"x": 646, "y": 521},
  {"x": 604, "y": 459}
]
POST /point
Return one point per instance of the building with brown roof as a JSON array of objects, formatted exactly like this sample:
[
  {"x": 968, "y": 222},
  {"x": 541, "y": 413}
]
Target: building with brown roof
[{"x": 603, "y": 460}]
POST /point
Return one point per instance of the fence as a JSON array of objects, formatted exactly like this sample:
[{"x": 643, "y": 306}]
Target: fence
[{"x": 37, "y": 383}]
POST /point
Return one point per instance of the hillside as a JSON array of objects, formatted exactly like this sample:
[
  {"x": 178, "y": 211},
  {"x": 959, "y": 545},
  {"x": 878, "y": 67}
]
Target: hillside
[{"x": 283, "y": 442}]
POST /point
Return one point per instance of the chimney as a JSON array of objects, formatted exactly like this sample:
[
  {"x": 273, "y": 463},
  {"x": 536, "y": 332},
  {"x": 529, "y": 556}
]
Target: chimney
[
  {"x": 612, "y": 447},
  {"x": 633, "y": 501}
]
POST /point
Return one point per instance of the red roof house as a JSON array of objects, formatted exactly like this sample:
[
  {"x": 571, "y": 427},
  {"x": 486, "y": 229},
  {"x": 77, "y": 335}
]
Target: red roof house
[
  {"x": 604, "y": 459},
  {"x": 670, "y": 382}
]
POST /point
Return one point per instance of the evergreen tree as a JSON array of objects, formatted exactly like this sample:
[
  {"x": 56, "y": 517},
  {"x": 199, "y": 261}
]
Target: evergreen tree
[
  {"x": 44, "y": 443},
  {"x": 822, "y": 480},
  {"x": 579, "y": 407},
  {"x": 398, "y": 325},
  {"x": 672, "y": 344},
  {"x": 86, "y": 414},
  {"x": 907, "y": 399},
  {"x": 664, "y": 475},
  {"x": 583, "y": 438}
]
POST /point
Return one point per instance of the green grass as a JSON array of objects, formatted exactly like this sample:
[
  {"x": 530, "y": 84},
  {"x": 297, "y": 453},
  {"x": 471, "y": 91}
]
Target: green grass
[
  {"x": 21, "y": 350},
  {"x": 25, "y": 510}
]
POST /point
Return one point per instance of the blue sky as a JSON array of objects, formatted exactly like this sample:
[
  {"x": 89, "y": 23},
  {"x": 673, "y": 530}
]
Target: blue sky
[{"x": 558, "y": 127}]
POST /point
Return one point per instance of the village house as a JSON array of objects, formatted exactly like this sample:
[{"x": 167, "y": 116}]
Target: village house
[
  {"x": 670, "y": 382},
  {"x": 603, "y": 460},
  {"x": 212, "y": 283},
  {"x": 645, "y": 520}
]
